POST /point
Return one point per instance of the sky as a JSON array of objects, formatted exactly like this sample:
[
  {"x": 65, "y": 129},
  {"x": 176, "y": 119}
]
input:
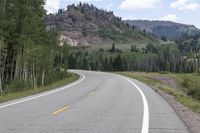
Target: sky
[{"x": 181, "y": 11}]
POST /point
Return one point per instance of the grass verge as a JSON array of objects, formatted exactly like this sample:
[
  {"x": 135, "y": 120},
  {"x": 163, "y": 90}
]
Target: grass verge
[
  {"x": 12, "y": 95},
  {"x": 179, "y": 94}
]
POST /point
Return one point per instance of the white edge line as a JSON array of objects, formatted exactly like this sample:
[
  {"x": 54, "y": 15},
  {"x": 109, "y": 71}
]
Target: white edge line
[
  {"x": 45, "y": 94},
  {"x": 145, "y": 123}
]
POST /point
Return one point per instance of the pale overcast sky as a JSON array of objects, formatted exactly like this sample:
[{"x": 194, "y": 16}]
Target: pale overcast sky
[{"x": 183, "y": 11}]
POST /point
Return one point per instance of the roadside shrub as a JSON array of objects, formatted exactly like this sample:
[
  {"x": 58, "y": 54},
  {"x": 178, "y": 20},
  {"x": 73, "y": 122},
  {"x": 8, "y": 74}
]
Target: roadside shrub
[
  {"x": 186, "y": 82},
  {"x": 15, "y": 86},
  {"x": 194, "y": 92},
  {"x": 56, "y": 76},
  {"x": 192, "y": 88},
  {"x": 163, "y": 72}
]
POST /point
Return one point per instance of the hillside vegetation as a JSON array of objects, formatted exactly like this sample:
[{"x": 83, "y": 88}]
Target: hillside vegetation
[
  {"x": 167, "y": 29},
  {"x": 152, "y": 58},
  {"x": 84, "y": 24}
]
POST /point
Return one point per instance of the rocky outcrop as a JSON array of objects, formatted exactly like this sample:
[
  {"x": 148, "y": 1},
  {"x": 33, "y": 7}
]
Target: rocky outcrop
[{"x": 85, "y": 24}]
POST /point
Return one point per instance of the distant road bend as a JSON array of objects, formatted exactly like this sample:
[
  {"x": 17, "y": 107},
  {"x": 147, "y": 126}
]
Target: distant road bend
[{"x": 97, "y": 103}]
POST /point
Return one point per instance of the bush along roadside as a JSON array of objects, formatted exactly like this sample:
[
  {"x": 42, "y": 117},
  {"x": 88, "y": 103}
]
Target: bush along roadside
[{"x": 10, "y": 95}]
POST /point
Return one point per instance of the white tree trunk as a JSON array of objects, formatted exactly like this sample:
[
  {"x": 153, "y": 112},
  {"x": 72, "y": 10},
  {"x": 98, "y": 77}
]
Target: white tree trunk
[
  {"x": 36, "y": 79},
  {"x": 33, "y": 76},
  {"x": 12, "y": 68},
  {"x": 4, "y": 7},
  {"x": 18, "y": 67},
  {"x": 43, "y": 76},
  {"x": 1, "y": 89}
]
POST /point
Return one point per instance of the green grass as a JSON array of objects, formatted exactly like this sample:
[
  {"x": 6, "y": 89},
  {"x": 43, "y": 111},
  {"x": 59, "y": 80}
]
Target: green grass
[
  {"x": 180, "y": 94},
  {"x": 12, "y": 95},
  {"x": 123, "y": 47},
  {"x": 112, "y": 34},
  {"x": 190, "y": 84}
]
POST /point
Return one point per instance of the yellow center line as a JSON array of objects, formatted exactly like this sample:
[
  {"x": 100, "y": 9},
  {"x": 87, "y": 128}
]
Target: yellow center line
[
  {"x": 91, "y": 93},
  {"x": 61, "y": 110}
]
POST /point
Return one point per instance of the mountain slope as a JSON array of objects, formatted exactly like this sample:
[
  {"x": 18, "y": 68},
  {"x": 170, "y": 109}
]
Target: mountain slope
[
  {"x": 170, "y": 30},
  {"x": 85, "y": 25}
]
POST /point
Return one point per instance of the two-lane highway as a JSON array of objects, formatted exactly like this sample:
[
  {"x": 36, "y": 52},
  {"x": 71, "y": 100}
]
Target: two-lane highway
[{"x": 96, "y": 103}]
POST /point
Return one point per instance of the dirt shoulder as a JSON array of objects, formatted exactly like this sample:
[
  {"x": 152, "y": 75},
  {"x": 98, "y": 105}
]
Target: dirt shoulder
[{"x": 169, "y": 81}]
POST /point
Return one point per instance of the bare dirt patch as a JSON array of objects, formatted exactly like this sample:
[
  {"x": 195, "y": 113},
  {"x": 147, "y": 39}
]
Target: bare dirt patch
[
  {"x": 165, "y": 79},
  {"x": 169, "y": 81}
]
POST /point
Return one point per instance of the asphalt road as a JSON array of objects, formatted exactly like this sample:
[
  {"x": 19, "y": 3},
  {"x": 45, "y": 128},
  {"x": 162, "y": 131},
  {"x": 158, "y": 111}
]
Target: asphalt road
[{"x": 96, "y": 103}]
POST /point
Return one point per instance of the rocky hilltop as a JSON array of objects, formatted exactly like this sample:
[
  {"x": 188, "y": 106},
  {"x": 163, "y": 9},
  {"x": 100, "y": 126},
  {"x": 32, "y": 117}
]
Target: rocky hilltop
[
  {"x": 84, "y": 24},
  {"x": 170, "y": 30}
]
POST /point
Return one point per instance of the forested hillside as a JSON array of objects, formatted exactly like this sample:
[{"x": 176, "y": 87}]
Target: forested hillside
[
  {"x": 180, "y": 57},
  {"x": 84, "y": 24},
  {"x": 169, "y": 30},
  {"x": 27, "y": 52}
]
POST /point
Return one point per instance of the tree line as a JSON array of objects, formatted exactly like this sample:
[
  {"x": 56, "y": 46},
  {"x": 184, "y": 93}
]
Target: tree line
[
  {"x": 152, "y": 58},
  {"x": 27, "y": 52}
]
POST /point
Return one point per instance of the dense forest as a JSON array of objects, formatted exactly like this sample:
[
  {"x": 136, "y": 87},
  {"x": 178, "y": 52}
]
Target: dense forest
[
  {"x": 180, "y": 57},
  {"x": 27, "y": 52}
]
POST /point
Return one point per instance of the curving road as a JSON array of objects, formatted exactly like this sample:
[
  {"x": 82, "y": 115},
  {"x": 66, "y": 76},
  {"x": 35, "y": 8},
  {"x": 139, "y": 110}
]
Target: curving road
[{"x": 96, "y": 103}]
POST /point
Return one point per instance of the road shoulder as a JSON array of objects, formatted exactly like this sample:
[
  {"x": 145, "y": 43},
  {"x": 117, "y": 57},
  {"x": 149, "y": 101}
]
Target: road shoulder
[{"x": 189, "y": 117}]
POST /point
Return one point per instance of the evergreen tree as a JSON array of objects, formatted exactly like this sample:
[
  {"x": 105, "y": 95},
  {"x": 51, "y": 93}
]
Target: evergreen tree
[
  {"x": 106, "y": 64},
  {"x": 134, "y": 48},
  {"x": 117, "y": 64},
  {"x": 164, "y": 38},
  {"x": 110, "y": 64},
  {"x": 113, "y": 49},
  {"x": 72, "y": 62},
  {"x": 84, "y": 64}
]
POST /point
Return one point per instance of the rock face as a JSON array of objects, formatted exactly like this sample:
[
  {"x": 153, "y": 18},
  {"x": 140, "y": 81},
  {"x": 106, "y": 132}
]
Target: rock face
[
  {"x": 170, "y": 30},
  {"x": 85, "y": 24}
]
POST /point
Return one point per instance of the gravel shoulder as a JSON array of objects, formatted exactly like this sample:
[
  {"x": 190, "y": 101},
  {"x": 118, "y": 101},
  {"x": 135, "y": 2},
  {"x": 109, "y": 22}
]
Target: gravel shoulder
[
  {"x": 191, "y": 119},
  {"x": 187, "y": 115}
]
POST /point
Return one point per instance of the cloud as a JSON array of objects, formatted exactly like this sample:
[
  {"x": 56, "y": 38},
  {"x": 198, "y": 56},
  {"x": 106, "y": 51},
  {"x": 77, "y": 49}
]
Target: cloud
[
  {"x": 170, "y": 17},
  {"x": 185, "y": 5},
  {"x": 139, "y": 4},
  {"x": 52, "y": 6},
  {"x": 109, "y": 6},
  {"x": 87, "y": 0}
]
